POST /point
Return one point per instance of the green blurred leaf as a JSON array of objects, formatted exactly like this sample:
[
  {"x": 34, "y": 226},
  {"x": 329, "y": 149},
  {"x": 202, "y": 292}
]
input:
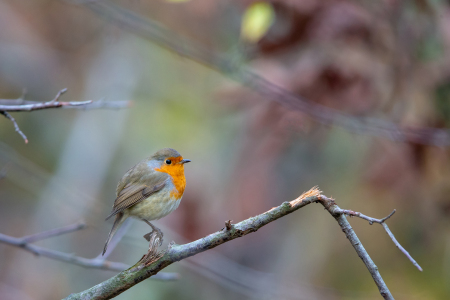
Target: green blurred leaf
[
  {"x": 442, "y": 101},
  {"x": 430, "y": 47},
  {"x": 256, "y": 21}
]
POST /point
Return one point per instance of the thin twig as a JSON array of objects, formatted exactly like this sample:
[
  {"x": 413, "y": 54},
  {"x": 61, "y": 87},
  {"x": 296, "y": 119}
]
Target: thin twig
[
  {"x": 382, "y": 222},
  {"x": 43, "y": 105},
  {"x": 128, "y": 278},
  {"x": 8, "y": 116},
  {"x": 352, "y": 213},
  {"x": 391, "y": 235},
  {"x": 25, "y": 244},
  {"x": 63, "y": 91},
  {"x": 20, "y": 104},
  {"x": 98, "y": 104},
  {"x": 339, "y": 215},
  {"x": 103, "y": 104}
]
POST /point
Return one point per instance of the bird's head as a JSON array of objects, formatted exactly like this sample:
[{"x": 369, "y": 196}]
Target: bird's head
[{"x": 169, "y": 161}]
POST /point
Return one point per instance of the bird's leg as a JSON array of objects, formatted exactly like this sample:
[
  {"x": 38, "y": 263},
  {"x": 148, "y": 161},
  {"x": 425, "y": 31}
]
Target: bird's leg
[
  {"x": 153, "y": 254},
  {"x": 155, "y": 239},
  {"x": 155, "y": 230}
]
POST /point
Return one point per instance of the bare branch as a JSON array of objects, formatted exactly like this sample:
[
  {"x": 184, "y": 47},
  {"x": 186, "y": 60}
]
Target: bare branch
[
  {"x": 8, "y": 116},
  {"x": 20, "y": 104},
  {"x": 24, "y": 105},
  {"x": 99, "y": 104},
  {"x": 103, "y": 264},
  {"x": 63, "y": 91},
  {"x": 42, "y": 105},
  {"x": 54, "y": 232},
  {"x": 155, "y": 32},
  {"x": 382, "y": 222},
  {"x": 338, "y": 214},
  {"x": 141, "y": 271},
  {"x": 352, "y": 213},
  {"x": 391, "y": 235},
  {"x": 103, "y": 104},
  {"x": 236, "y": 277}
]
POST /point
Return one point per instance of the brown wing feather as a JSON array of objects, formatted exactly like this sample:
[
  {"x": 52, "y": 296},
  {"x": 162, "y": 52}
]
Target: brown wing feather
[
  {"x": 133, "y": 193},
  {"x": 127, "y": 199}
]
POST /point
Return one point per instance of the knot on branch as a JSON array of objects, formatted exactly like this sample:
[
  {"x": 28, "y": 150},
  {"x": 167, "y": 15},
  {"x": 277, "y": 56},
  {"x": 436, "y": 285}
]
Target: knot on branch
[
  {"x": 228, "y": 225},
  {"x": 240, "y": 232}
]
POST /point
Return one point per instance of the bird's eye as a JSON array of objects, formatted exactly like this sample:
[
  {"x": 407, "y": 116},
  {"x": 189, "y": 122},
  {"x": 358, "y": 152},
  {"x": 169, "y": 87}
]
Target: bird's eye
[{"x": 168, "y": 161}]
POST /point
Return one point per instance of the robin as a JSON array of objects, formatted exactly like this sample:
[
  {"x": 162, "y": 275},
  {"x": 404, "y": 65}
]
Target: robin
[{"x": 150, "y": 190}]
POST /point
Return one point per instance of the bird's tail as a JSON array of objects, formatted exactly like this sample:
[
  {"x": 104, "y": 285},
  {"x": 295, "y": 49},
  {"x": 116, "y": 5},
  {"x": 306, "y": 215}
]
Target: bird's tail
[{"x": 117, "y": 222}]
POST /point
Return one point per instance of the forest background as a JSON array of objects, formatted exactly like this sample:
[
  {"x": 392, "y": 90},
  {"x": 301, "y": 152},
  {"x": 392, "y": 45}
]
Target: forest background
[{"x": 375, "y": 77}]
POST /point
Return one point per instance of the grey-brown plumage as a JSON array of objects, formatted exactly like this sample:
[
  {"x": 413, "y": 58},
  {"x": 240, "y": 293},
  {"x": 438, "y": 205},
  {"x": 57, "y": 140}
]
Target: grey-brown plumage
[
  {"x": 133, "y": 194},
  {"x": 164, "y": 153},
  {"x": 138, "y": 184}
]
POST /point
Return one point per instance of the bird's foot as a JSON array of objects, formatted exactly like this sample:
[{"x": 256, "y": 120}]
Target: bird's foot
[
  {"x": 155, "y": 240},
  {"x": 158, "y": 233},
  {"x": 155, "y": 230}
]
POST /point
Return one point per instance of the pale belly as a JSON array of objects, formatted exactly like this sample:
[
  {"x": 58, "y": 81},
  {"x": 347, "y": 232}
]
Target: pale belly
[{"x": 155, "y": 207}]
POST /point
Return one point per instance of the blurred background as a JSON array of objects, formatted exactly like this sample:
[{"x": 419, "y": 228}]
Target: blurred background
[{"x": 388, "y": 60}]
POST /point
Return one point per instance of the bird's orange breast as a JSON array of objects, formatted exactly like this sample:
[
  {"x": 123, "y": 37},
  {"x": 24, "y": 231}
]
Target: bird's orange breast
[{"x": 176, "y": 171}]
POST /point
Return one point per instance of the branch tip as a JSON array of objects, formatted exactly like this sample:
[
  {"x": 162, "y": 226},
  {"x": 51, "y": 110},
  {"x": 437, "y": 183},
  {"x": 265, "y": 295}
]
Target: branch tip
[
  {"x": 24, "y": 93},
  {"x": 390, "y": 215},
  {"x": 382, "y": 222},
  {"x": 61, "y": 92},
  {"x": 313, "y": 192},
  {"x": 403, "y": 250},
  {"x": 16, "y": 126}
]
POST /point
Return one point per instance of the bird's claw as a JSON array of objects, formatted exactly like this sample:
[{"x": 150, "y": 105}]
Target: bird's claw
[
  {"x": 148, "y": 236},
  {"x": 155, "y": 240},
  {"x": 157, "y": 232}
]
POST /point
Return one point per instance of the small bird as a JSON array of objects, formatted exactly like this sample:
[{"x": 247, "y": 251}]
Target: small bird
[{"x": 150, "y": 190}]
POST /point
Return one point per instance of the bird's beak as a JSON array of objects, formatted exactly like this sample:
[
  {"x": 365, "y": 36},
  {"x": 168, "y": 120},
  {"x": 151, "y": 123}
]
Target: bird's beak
[{"x": 183, "y": 161}]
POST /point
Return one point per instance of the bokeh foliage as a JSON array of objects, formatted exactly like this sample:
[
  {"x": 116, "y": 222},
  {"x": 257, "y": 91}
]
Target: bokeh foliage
[{"x": 385, "y": 59}]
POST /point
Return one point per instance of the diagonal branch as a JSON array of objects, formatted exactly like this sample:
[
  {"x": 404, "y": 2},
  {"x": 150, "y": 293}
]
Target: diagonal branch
[
  {"x": 25, "y": 244},
  {"x": 227, "y": 273},
  {"x": 128, "y": 278},
  {"x": 228, "y": 66}
]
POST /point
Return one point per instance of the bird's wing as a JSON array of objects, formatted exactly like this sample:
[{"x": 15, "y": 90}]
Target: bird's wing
[{"x": 133, "y": 193}]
